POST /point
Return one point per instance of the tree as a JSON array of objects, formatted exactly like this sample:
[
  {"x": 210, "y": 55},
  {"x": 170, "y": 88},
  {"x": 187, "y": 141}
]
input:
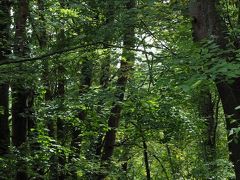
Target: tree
[
  {"x": 121, "y": 89},
  {"x": 4, "y": 87},
  {"x": 125, "y": 69},
  {"x": 207, "y": 106},
  {"x": 22, "y": 95},
  {"x": 207, "y": 22}
]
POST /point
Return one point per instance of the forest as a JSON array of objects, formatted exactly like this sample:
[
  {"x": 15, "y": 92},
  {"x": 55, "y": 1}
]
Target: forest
[{"x": 119, "y": 89}]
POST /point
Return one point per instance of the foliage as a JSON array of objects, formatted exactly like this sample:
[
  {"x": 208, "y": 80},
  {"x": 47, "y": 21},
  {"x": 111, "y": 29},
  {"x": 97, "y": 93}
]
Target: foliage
[{"x": 159, "y": 106}]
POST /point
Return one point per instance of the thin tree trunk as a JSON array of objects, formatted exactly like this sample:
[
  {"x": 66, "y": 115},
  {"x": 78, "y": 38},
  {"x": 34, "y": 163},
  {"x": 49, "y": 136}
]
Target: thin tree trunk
[
  {"x": 4, "y": 87},
  {"x": 163, "y": 167},
  {"x": 145, "y": 155},
  {"x": 206, "y": 111},
  {"x": 171, "y": 162},
  {"x": 125, "y": 68},
  {"x": 207, "y": 22}
]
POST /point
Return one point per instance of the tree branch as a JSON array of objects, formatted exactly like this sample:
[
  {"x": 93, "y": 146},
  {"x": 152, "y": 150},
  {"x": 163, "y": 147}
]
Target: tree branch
[
  {"x": 64, "y": 50},
  {"x": 42, "y": 57}
]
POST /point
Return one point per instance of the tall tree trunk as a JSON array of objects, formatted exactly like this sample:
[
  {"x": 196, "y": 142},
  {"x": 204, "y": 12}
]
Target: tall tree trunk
[
  {"x": 207, "y": 22},
  {"x": 4, "y": 51},
  {"x": 22, "y": 96},
  {"x": 125, "y": 68}
]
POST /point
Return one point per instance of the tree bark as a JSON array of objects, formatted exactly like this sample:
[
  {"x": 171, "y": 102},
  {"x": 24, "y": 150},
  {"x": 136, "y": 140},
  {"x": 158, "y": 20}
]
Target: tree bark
[
  {"x": 207, "y": 22},
  {"x": 4, "y": 125},
  {"x": 125, "y": 69},
  {"x": 4, "y": 87},
  {"x": 22, "y": 96}
]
